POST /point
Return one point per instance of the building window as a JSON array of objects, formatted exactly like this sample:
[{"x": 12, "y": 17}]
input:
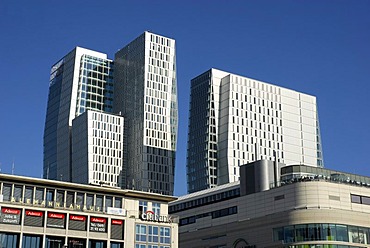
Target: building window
[
  {"x": 143, "y": 206},
  {"x": 118, "y": 202},
  {"x": 156, "y": 207},
  {"x": 140, "y": 233},
  {"x": 31, "y": 241},
  {"x": 165, "y": 235},
  {"x": 28, "y": 194},
  {"x": 116, "y": 245},
  {"x": 39, "y": 196},
  {"x": 54, "y": 242},
  {"x": 8, "y": 240},
  {"x": 7, "y": 192},
  {"x": 153, "y": 234},
  {"x": 356, "y": 199},
  {"x": 18, "y": 189}
]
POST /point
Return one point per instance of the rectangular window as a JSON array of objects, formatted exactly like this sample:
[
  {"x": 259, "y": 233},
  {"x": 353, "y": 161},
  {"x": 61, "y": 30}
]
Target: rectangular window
[
  {"x": 153, "y": 234},
  {"x": 31, "y": 241},
  {"x": 7, "y": 192},
  {"x": 118, "y": 202},
  {"x": 18, "y": 189},
  {"x": 342, "y": 233},
  {"x": 60, "y": 197},
  {"x": 70, "y": 198},
  {"x": 39, "y": 196},
  {"x": 108, "y": 201},
  {"x": 156, "y": 207},
  {"x": 143, "y": 206},
  {"x": 89, "y": 201},
  {"x": 356, "y": 199},
  {"x": 99, "y": 203},
  {"x": 28, "y": 194},
  {"x": 140, "y": 233},
  {"x": 8, "y": 240},
  {"x": 80, "y": 199},
  {"x": 165, "y": 237},
  {"x": 50, "y": 195}
]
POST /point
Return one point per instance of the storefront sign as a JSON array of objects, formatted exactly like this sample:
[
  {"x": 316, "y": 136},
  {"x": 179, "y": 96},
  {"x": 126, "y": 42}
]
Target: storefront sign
[
  {"x": 56, "y": 216},
  {"x": 116, "y": 211},
  {"x": 150, "y": 216},
  {"x": 10, "y": 216},
  {"x": 34, "y": 218},
  {"x": 77, "y": 217},
  {"x": 77, "y": 222},
  {"x": 117, "y": 228},
  {"x": 56, "y": 220},
  {"x": 34, "y": 213},
  {"x": 117, "y": 222},
  {"x": 55, "y": 204},
  {"x": 98, "y": 224}
]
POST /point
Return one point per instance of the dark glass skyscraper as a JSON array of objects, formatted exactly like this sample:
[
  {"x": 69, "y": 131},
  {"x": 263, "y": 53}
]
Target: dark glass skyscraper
[
  {"x": 146, "y": 95},
  {"x": 80, "y": 81}
]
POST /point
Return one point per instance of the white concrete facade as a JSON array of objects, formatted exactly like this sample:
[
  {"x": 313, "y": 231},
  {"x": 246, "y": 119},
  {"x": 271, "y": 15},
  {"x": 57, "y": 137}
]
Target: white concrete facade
[
  {"x": 321, "y": 208},
  {"x": 235, "y": 120},
  {"x": 97, "y": 149}
]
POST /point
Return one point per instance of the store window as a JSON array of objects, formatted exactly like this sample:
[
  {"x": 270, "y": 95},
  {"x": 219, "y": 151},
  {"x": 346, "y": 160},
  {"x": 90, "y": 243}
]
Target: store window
[
  {"x": 116, "y": 245},
  {"x": 97, "y": 244},
  {"x": 9, "y": 240},
  {"x": 54, "y": 242},
  {"x": 31, "y": 241},
  {"x": 76, "y": 243}
]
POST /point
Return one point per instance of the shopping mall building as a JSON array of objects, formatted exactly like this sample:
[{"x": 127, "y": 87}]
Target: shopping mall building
[
  {"x": 278, "y": 206},
  {"x": 39, "y": 213}
]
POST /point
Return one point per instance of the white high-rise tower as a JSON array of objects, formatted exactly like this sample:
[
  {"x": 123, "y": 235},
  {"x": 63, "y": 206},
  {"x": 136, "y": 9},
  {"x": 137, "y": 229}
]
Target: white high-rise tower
[
  {"x": 235, "y": 120},
  {"x": 145, "y": 94}
]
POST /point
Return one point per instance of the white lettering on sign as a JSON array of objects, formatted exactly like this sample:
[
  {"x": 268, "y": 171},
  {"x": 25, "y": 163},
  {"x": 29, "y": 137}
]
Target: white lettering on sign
[{"x": 150, "y": 216}]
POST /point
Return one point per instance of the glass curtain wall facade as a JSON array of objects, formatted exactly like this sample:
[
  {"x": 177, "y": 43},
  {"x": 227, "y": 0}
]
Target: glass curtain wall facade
[
  {"x": 235, "y": 120},
  {"x": 146, "y": 95},
  {"x": 80, "y": 81}
]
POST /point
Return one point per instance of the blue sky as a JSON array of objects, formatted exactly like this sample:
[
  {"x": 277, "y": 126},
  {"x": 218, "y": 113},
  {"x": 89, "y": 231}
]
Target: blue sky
[{"x": 316, "y": 47}]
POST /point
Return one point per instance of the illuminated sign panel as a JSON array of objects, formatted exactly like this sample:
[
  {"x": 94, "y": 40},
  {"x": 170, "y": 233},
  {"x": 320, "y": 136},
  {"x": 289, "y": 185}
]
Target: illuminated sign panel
[
  {"x": 98, "y": 224},
  {"x": 117, "y": 229},
  {"x": 56, "y": 220},
  {"x": 77, "y": 222},
  {"x": 150, "y": 216},
  {"x": 34, "y": 218},
  {"x": 10, "y": 216}
]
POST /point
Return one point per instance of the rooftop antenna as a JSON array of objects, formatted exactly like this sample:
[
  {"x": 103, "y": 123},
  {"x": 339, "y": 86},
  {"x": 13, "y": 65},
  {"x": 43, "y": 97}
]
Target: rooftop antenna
[{"x": 13, "y": 168}]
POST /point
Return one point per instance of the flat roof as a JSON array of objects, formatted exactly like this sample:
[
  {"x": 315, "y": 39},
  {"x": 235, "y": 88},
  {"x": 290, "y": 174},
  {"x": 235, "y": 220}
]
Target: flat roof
[{"x": 86, "y": 187}]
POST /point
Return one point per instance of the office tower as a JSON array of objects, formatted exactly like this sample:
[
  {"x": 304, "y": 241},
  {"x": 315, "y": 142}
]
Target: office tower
[
  {"x": 236, "y": 120},
  {"x": 80, "y": 81},
  {"x": 145, "y": 94},
  {"x": 97, "y": 147}
]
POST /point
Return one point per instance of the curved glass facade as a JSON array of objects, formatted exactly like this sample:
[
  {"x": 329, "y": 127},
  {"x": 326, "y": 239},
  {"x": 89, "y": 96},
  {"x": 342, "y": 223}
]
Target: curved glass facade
[{"x": 315, "y": 232}]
